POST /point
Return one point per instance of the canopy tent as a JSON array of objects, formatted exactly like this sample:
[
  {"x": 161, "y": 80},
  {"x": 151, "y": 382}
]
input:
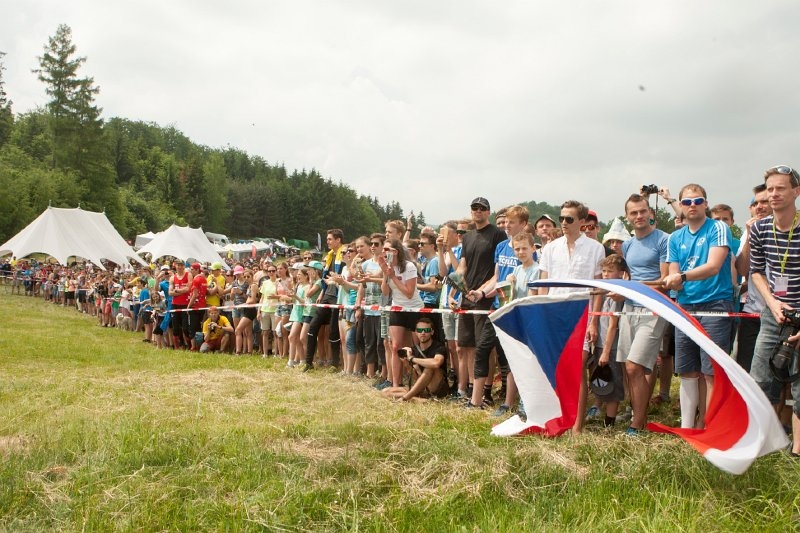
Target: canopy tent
[
  {"x": 182, "y": 243},
  {"x": 64, "y": 233},
  {"x": 244, "y": 249},
  {"x": 143, "y": 239}
]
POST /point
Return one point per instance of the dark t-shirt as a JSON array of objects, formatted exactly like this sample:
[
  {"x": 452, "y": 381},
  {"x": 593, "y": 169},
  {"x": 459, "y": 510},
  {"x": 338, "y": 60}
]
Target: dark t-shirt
[
  {"x": 436, "y": 347},
  {"x": 478, "y": 252}
]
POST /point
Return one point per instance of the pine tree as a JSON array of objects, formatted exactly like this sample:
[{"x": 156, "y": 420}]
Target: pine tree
[
  {"x": 6, "y": 116},
  {"x": 75, "y": 124}
]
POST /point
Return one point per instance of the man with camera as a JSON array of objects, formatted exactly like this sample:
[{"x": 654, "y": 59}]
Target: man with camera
[
  {"x": 427, "y": 362},
  {"x": 216, "y": 332},
  {"x": 775, "y": 273}
]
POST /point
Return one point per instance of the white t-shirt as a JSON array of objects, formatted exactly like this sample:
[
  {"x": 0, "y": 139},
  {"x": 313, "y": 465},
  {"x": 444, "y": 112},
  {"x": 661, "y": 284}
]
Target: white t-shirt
[
  {"x": 398, "y": 298},
  {"x": 584, "y": 263}
]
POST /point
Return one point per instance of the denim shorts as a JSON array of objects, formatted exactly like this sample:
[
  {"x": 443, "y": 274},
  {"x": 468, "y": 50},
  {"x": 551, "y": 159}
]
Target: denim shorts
[{"x": 688, "y": 355}]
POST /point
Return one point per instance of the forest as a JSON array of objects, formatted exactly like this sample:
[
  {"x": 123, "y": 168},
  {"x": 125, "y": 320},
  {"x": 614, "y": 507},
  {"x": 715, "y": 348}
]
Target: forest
[{"x": 145, "y": 176}]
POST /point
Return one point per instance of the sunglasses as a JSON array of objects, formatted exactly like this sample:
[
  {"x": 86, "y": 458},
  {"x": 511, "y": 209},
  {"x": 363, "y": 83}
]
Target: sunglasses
[
  {"x": 479, "y": 208},
  {"x": 374, "y": 244},
  {"x": 693, "y": 201},
  {"x": 461, "y": 231},
  {"x": 424, "y": 330},
  {"x": 568, "y": 220},
  {"x": 787, "y": 171},
  {"x": 271, "y": 270},
  {"x": 590, "y": 227},
  {"x": 349, "y": 251}
]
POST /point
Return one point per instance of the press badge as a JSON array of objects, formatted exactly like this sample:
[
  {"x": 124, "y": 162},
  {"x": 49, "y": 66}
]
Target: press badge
[{"x": 781, "y": 285}]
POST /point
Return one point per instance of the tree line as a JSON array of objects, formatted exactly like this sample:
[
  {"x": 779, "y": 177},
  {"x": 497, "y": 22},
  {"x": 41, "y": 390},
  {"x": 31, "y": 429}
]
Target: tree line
[{"x": 145, "y": 176}]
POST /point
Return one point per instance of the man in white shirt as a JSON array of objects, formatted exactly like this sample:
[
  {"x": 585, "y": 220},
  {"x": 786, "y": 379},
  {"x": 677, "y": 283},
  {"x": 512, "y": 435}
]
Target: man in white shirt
[{"x": 574, "y": 256}]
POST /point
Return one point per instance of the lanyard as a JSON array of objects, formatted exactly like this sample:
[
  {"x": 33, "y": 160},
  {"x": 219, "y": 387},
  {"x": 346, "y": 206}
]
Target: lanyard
[{"x": 788, "y": 240}]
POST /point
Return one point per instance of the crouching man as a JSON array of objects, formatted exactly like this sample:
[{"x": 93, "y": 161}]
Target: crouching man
[
  {"x": 216, "y": 332},
  {"x": 426, "y": 362}
]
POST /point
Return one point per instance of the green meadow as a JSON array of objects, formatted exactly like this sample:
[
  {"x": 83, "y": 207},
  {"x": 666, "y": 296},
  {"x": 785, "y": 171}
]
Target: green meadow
[{"x": 101, "y": 432}]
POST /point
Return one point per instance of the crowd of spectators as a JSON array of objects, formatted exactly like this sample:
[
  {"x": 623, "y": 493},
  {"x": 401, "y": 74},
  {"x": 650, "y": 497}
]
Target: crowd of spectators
[{"x": 360, "y": 310}]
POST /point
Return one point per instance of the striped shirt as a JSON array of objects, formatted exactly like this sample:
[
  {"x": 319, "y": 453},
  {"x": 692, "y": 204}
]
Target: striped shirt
[{"x": 768, "y": 247}]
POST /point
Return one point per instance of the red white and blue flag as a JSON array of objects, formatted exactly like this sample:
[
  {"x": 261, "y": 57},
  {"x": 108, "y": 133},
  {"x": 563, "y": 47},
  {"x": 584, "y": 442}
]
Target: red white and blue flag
[
  {"x": 542, "y": 337},
  {"x": 740, "y": 423}
]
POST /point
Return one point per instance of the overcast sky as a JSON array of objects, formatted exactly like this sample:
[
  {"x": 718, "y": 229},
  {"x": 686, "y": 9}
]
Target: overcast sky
[{"x": 432, "y": 103}]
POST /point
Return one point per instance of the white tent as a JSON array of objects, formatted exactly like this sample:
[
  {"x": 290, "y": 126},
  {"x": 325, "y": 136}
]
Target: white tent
[
  {"x": 244, "y": 249},
  {"x": 143, "y": 239},
  {"x": 64, "y": 233},
  {"x": 183, "y": 243}
]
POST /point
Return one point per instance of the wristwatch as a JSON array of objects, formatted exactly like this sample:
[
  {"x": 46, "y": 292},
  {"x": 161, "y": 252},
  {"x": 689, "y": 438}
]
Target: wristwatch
[{"x": 683, "y": 277}]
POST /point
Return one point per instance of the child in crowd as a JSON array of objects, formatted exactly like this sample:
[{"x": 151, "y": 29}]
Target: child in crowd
[
  {"x": 159, "y": 306},
  {"x": 614, "y": 267},
  {"x": 527, "y": 270}
]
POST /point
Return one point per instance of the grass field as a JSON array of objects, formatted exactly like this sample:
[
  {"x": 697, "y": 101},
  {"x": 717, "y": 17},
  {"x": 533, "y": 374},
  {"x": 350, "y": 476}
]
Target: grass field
[{"x": 99, "y": 432}]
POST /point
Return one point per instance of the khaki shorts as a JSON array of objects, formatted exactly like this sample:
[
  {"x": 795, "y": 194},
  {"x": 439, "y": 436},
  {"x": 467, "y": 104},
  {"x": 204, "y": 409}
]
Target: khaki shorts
[
  {"x": 266, "y": 321},
  {"x": 640, "y": 334}
]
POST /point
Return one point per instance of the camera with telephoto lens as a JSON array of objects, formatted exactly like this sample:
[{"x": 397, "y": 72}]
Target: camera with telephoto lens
[
  {"x": 402, "y": 353},
  {"x": 783, "y": 358},
  {"x": 649, "y": 189}
]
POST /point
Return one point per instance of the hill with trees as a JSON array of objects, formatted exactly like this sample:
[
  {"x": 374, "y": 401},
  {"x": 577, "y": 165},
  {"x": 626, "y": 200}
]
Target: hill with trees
[{"x": 146, "y": 176}]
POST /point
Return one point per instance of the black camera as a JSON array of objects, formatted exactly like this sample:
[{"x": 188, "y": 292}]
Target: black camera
[
  {"x": 212, "y": 326},
  {"x": 402, "y": 353},
  {"x": 783, "y": 358},
  {"x": 649, "y": 189}
]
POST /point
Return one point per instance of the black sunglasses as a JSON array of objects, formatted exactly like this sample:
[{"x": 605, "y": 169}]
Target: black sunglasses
[
  {"x": 373, "y": 244},
  {"x": 461, "y": 231},
  {"x": 477, "y": 207},
  {"x": 568, "y": 220}
]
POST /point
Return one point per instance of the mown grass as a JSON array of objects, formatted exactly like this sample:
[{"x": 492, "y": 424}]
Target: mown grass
[{"x": 101, "y": 432}]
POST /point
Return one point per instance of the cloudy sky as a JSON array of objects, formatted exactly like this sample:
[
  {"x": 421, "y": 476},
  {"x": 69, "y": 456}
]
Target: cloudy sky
[{"x": 432, "y": 103}]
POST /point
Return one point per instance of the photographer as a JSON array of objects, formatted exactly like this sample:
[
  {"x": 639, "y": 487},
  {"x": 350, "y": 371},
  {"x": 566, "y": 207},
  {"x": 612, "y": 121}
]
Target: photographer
[
  {"x": 775, "y": 273},
  {"x": 216, "y": 332},
  {"x": 427, "y": 362}
]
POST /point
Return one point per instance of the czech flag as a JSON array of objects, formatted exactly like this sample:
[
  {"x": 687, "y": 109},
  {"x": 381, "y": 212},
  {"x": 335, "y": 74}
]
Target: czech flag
[
  {"x": 740, "y": 424},
  {"x": 542, "y": 337}
]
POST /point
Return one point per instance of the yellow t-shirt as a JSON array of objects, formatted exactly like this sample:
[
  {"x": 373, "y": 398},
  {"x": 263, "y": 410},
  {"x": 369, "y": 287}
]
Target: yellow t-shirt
[
  {"x": 219, "y": 281},
  {"x": 222, "y": 322}
]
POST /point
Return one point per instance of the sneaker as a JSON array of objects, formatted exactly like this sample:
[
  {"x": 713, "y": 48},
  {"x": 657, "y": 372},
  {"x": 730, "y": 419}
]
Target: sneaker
[
  {"x": 385, "y": 385},
  {"x": 501, "y": 411},
  {"x": 458, "y": 397},
  {"x": 470, "y": 405},
  {"x": 308, "y": 368},
  {"x": 592, "y": 413},
  {"x": 633, "y": 432},
  {"x": 290, "y": 364},
  {"x": 521, "y": 412}
]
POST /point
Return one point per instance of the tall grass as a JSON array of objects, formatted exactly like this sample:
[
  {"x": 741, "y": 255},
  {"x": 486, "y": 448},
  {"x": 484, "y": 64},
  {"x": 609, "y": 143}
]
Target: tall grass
[{"x": 99, "y": 431}]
